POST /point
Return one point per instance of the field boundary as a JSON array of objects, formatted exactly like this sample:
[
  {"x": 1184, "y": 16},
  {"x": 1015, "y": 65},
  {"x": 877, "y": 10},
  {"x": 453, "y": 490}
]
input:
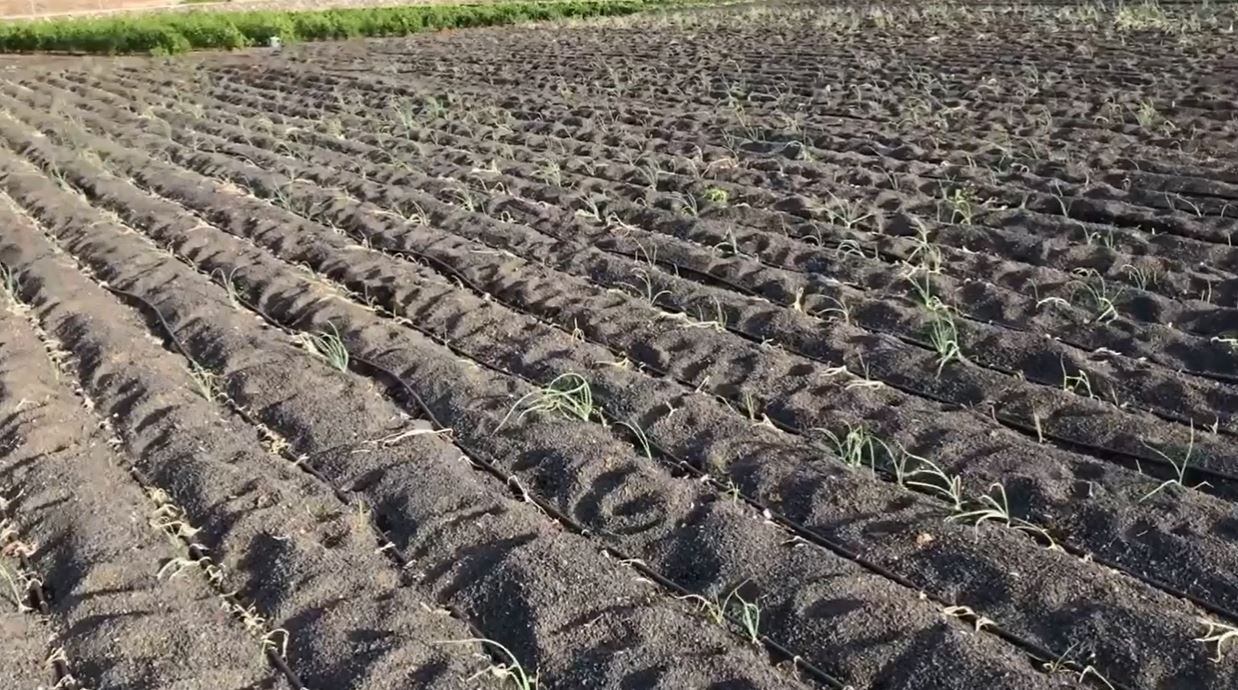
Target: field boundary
[
  {"x": 173, "y": 33},
  {"x": 139, "y": 7}
]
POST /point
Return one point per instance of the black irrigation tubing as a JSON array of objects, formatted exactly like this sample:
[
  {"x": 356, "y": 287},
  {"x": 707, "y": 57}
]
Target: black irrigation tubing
[
  {"x": 197, "y": 553},
  {"x": 1012, "y": 424},
  {"x": 797, "y": 529},
  {"x": 1229, "y": 481},
  {"x": 887, "y": 259},
  {"x": 791, "y": 429},
  {"x": 793, "y": 527},
  {"x": 1163, "y": 415},
  {"x": 884, "y": 256},
  {"x": 678, "y": 270},
  {"x": 695, "y": 275},
  {"x": 809, "y": 535},
  {"x": 1218, "y": 377},
  {"x": 375, "y": 518},
  {"x": 1098, "y": 452},
  {"x": 1215, "y": 376},
  {"x": 892, "y": 260},
  {"x": 39, "y": 598},
  {"x": 776, "y": 649},
  {"x": 1120, "y": 457}
]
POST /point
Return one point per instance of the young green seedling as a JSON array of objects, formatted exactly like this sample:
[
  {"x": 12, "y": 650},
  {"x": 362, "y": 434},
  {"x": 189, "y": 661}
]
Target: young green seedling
[
  {"x": 898, "y": 461},
  {"x": 963, "y": 205},
  {"x": 328, "y": 346},
  {"x": 926, "y": 256},
  {"x": 846, "y": 212},
  {"x": 1097, "y": 296},
  {"x": 1146, "y": 114},
  {"x": 924, "y": 290},
  {"x": 1078, "y": 383},
  {"x": 18, "y": 592},
  {"x": 994, "y": 506},
  {"x": 1218, "y": 634},
  {"x": 748, "y": 612},
  {"x": 507, "y": 670},
  {"x": 204, "y": 381},
  {"x": 1142, "y": 277},
  {"x": 1064, "y": 663},
  {"x": 1180, "y": 467},
  {"x": 688, "y": 204},
  {"x": 842, "y": 311},
  {"x": 854, "y": 447},
  {"x": 933, "y": 479},
  {"x": 10, "y": 282},
  {"x": 228, "y": 280},
  {"x": 641, "y": 439},
  {"x": 567, "y": 394},
  {"x": 944, "y": 337},
  {"x": 717, "y": 195}
]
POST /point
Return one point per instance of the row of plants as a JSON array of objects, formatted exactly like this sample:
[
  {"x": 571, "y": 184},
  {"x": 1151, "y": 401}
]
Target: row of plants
[{"x": 174, "y": 32}]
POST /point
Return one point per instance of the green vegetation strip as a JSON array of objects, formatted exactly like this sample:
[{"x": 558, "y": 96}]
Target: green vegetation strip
[{"x": 169, "y": 33}]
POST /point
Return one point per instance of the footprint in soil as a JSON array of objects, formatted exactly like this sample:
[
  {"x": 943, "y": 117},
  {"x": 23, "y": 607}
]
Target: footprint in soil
[
  {"x": 833, "y": 608},
  {"x": 1228, "y": 528}
]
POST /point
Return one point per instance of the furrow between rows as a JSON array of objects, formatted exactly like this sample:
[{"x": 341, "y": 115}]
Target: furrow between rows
[
  {"x": 347, "y": 221},
  {"x": 1066, "y": 244},
  {"x": 101, "y": 554},
  {"x": 1041, "y": 412},
  {"x": 1045, "y": 425},
  {"x": 1103, "y": 203},
  {"x": 293, "y": 549},
  {"x": 1082, "y": 328},
  {"x": 362, "y": 269},
  {"x": 563, "y": 584},
  {"x": 582, "y": 453}
]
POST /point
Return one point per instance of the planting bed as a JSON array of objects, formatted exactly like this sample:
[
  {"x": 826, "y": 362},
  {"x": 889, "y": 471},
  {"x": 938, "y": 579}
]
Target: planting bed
[{"x": 807, "y": 346}]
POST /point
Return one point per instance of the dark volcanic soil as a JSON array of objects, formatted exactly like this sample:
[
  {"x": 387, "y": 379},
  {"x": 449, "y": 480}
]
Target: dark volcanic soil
[{"x": 802, "y": 346}]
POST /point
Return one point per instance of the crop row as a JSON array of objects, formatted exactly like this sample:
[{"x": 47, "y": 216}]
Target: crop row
[{"x": 335, "y": 262}]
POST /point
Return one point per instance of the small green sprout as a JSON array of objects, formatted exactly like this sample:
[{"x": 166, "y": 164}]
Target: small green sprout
[
  {"x": 328, "y": 346},
  {"x": 567, "y": 394},
  {"x": 717, "y": 195}
]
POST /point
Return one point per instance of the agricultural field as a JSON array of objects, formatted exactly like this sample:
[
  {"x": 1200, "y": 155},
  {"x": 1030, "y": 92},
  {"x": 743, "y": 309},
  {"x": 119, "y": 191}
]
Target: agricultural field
[{"x": 795, "y": 346}]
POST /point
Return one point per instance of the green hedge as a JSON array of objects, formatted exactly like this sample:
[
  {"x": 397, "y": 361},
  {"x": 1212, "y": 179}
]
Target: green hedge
[{"x": 174, "y": 32}]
